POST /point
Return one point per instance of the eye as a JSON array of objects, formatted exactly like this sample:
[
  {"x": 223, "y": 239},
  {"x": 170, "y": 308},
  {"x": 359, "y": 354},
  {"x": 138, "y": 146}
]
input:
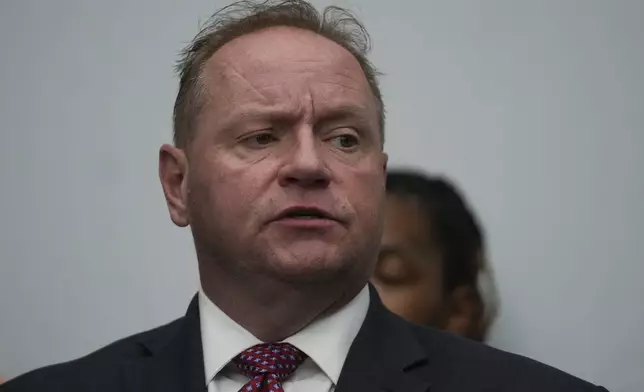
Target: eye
[
  {"x": 345, "y": 141},
  {"x": 259, "y": 140},
  {"x": 392, "y": 269}
]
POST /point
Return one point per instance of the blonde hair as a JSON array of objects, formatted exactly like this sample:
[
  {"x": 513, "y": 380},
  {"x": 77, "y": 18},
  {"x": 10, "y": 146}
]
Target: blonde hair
[{"x": 245, "y": 17}]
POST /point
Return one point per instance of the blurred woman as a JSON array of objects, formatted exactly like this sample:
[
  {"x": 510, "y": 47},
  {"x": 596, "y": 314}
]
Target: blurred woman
[{"x": 432, "y": 268}]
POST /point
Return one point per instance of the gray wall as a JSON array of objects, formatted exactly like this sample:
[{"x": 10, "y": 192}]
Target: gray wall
[{"x": 537, "y": 108}]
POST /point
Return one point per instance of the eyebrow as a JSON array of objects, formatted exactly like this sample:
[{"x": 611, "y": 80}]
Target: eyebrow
[
  {"x": 342, "y": 112},
  {"x": 235, "y": 117},
  {"x": 337, "y": 113}
]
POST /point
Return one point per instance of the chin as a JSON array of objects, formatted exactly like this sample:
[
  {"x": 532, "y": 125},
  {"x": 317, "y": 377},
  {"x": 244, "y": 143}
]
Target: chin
[{"x": 308, "y": 263}]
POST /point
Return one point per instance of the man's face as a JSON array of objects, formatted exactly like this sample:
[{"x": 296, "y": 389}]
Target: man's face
[
  {"x": 286, "y": 172},
  {"x": 409, "y": 274}
]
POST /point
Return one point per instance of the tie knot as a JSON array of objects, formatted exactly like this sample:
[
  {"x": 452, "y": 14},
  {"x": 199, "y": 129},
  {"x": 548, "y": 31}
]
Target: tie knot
[{"x": 279, "y": 360}]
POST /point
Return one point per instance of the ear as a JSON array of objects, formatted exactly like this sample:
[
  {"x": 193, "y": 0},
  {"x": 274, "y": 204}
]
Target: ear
[
  {"x": 464, "y": 312},
  {"x": 385, "y": 160},
  {"x": 173, "y": 172}
]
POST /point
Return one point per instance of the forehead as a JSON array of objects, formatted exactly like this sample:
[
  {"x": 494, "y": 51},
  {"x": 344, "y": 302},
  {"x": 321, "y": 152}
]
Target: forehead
[
  {"x": 286, "y": 67},
  {"x": 405, "y": 222}
]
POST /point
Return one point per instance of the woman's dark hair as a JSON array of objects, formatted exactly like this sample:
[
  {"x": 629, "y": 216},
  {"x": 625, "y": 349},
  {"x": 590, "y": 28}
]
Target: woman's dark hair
[{"x": 454, "y": 227}]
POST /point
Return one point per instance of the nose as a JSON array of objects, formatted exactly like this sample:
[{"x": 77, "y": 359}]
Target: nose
[{"x": 304, "y": 166}]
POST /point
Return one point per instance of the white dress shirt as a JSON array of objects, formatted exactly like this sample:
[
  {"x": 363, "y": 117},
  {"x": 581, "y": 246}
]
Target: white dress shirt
[{"x": 325, "y": 341}]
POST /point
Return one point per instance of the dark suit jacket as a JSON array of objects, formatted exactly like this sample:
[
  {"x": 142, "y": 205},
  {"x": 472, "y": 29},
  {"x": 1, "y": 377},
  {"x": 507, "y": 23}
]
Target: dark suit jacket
[{"x": 388, "y": 354}]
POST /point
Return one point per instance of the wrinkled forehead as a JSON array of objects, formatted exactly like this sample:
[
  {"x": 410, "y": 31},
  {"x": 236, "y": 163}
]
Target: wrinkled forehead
[{"x": 286, "y": 67}]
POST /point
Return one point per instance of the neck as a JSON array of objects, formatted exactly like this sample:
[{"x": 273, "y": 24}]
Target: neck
[{"x": 273, "y": 310}]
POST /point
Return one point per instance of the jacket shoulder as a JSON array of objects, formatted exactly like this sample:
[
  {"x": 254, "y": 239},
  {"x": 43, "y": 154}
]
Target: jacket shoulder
[
  {"x": 97, "y": 371},
  {"x": 486, "y": 365}
]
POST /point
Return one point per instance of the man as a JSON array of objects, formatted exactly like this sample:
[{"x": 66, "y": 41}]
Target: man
[
  {"x": 278, "y": 168},
  {"x": 431, "y": 269}
]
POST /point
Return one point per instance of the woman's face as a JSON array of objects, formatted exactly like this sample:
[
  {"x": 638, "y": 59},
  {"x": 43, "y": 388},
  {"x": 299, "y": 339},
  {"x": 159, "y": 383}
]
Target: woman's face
[{"x": 408, "y": 275}]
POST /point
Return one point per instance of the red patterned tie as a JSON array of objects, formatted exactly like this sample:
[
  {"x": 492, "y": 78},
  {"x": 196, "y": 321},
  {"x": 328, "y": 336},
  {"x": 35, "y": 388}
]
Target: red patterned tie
[{"x": 267, "y": 365}]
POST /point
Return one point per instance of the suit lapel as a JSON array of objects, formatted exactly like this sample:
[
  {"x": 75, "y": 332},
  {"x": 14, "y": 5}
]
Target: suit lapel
[
  {"x": 173, "y": 360},
  {"x": 385, "y": 356}
]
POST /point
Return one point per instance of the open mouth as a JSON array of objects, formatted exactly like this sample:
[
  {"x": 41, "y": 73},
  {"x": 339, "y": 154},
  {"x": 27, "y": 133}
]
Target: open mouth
[{"x": 302, "y": 213}]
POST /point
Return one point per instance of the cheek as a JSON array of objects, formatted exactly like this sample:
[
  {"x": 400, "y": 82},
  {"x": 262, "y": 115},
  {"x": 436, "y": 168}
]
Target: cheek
[
  {"x": 365, "y": 188},
  {"x": 224, "y": 192},
  {"x": 417, "y": 303},
  {"x": 409, "y": 304}
]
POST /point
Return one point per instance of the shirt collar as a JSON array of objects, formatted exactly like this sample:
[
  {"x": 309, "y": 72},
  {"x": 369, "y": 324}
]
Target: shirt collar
[{"x": 326, "y": 341}]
